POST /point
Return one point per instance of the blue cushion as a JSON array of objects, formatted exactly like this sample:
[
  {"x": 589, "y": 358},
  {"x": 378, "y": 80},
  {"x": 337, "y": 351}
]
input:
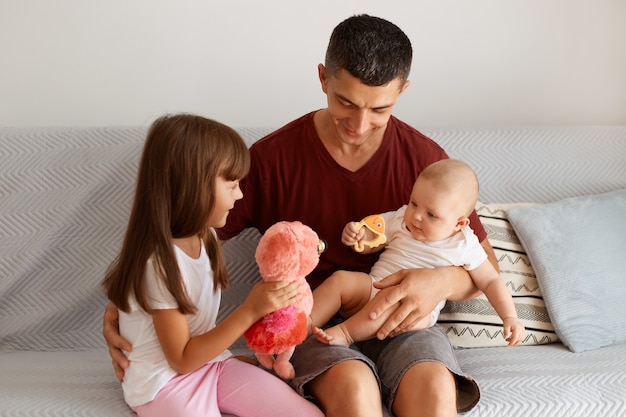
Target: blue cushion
[{"x": 577, "y": 248}]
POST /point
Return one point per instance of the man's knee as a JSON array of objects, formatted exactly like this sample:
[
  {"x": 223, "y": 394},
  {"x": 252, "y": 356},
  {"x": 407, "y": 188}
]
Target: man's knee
[
  {"x": 429, "y": 387},
  {"x": 350, "y": 383}
]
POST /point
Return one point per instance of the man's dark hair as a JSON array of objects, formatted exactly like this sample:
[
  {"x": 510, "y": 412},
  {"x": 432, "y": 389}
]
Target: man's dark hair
[{"x": 371, "y": 49}]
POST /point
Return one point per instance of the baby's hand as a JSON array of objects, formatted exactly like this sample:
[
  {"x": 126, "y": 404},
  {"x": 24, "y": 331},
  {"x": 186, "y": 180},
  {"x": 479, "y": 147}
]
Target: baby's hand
[
  {"x": 352, "y": 233},
  {"x": 513, "y": 331}
]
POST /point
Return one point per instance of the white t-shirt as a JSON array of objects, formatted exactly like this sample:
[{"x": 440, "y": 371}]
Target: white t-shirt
[
  {"x": 404, "y": 252},
  {"x": 149, "y": 371}
]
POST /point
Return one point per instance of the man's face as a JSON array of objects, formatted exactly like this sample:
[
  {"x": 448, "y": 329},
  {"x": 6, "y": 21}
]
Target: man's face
[{"x": 358, "y": 111}]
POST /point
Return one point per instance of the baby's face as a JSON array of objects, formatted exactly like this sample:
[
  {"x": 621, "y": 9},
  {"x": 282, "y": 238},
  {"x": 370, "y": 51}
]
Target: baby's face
[{"x": 432, "y": 214}]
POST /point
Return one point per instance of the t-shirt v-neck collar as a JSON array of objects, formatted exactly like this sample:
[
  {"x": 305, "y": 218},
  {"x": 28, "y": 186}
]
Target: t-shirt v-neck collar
[{"x": 370, "y": 164}]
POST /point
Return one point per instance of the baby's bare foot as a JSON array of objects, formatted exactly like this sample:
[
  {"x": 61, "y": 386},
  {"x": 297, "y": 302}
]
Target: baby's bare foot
[
  {"x": 322, "y": 336},
  {"x": 332, "y": 336}
]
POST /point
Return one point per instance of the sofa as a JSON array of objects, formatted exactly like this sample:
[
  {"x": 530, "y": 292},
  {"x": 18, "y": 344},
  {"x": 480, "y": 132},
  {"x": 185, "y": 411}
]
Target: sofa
[{"x": 65, "y": 195}]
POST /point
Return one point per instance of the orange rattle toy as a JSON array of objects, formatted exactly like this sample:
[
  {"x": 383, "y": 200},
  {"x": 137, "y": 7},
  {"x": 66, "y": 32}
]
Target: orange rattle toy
[{"x": 376, "y": 224}]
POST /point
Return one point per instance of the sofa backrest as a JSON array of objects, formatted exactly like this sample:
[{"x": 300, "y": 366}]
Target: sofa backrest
[
  {"x": 65, "y": 194},
  {"x": 539, "y": 164}
]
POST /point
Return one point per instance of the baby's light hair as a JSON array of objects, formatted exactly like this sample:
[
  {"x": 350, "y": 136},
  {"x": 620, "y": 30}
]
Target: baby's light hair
[{"x": 457, "y": 177}]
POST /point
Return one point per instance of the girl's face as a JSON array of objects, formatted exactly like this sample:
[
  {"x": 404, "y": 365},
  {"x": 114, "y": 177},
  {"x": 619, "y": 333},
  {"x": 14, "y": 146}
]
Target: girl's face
[
  {"x": 226, "y": 193},
  {"x": 431, "y": 214}
]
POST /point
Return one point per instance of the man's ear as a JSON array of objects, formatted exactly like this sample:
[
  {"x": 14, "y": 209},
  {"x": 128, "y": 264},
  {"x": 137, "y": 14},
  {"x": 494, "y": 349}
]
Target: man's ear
[
  {"x": 406, "y": 85},
  {"x": 321, "y": 73}
]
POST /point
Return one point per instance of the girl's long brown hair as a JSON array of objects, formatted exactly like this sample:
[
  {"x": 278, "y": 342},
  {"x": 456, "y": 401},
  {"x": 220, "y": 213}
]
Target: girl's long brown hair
[{"x": 182, "y": 157}]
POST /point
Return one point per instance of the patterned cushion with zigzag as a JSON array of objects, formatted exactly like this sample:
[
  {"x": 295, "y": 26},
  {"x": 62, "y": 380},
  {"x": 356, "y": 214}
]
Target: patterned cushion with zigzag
[{"x": 474, "y": 323}]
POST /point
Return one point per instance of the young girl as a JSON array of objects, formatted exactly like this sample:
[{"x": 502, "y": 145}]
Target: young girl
[{"x": 168, "y": 277}]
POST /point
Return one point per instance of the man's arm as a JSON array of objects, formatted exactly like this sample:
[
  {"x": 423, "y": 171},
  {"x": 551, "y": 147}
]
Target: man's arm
[
  {"x": 418, "y": 291},
  {"x": 115, "y": 342}
]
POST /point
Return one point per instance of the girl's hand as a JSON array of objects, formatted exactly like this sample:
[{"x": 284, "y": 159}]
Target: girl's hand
[
  {"x": 266, "y": 297},
  {"x": 186, "y": 353},
  {"x": 352, "y": 233}
]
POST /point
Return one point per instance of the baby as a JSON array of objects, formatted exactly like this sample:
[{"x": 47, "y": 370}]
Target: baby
[{"x": 432, "y": 230}]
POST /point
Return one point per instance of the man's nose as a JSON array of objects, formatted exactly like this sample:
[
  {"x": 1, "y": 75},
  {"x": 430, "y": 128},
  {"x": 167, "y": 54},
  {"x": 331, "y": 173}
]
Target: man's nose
[{"x": 361, "y": 121}]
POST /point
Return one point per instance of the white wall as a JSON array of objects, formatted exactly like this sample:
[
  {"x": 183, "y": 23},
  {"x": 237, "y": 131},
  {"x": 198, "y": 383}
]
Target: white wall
[{"x": 253, "y": 63}]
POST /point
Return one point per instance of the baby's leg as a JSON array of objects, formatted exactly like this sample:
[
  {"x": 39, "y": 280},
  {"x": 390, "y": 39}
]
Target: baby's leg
[
  {"x": 361, "y": 327},
  {"x": 345, "y": 292}
]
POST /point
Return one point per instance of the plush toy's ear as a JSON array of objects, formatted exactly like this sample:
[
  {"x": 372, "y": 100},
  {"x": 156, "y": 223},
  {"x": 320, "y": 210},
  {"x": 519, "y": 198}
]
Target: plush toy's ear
[
  {"x": 275, "y": 253},
  {"x": 308, "y": 248}
]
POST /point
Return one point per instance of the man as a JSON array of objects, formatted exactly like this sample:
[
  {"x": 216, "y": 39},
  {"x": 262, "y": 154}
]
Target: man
[{"x": 341, "y": 163}]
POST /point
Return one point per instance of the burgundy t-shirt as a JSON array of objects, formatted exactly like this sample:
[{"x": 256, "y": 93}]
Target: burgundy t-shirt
[{"x": 293, "y": 177}]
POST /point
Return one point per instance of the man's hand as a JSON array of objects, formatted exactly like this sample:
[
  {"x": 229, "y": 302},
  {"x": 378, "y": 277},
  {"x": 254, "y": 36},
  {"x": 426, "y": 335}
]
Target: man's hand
[
  {"x": 417, "y": 292},
  {"x": 115, "y": 342}
]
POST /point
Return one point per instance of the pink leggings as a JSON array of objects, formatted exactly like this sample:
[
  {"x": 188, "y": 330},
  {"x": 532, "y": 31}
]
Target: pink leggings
[{"x": 230, "y": 386}]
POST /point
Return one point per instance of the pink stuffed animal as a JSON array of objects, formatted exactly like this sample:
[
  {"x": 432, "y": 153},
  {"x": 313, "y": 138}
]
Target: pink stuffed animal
[{"x": 288, "y": 251}]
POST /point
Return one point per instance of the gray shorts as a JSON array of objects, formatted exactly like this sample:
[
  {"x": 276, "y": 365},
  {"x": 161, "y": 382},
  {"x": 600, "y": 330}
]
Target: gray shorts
[{"x": 389, "y": 359}]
